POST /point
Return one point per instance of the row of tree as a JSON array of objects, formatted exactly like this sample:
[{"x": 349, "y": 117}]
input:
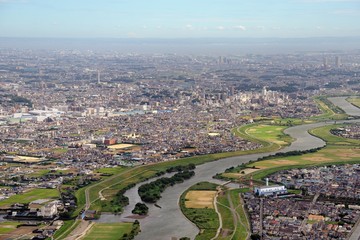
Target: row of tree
[
  {"x": 290, "y": 153},
  {"x": 151, "y": 192},
  {"x": 134, "y": 231}
]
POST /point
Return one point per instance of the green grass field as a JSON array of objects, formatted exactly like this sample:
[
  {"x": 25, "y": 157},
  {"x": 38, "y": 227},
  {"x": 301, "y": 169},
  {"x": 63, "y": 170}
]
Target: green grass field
[
  {"x": 329, "y": 111},
  {"x": 108, "y": 231},
  {"x": 205, "y": 219},
  {"x": 355, "y": 100},
  {"x": 112, "y": 171},
  {"x": 271, "y": 137},
  {"x": 226, "y": 214},
  {"x": 331, "y": 139},
  {"x": 6, "y": 227},
  {"x": 338, "y": 150},
  {"x": 269, "y": 133},
  {"x": 39, "y": 173},
  {"x": 30, "y": 196},
  {"x": 65, "y": 229},
  {"x": 241, "y": 229},
  {"x": 126, "y": 176}
]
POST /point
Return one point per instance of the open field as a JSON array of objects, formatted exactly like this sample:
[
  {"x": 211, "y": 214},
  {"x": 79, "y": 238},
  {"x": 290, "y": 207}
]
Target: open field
[
  {"x": 27, "y": 159},
  {"x": 108, "y": 231},
  {"x": 330, "y": 111},
  {"x": 200, "y": 199},
  {"x": 328, "y": 155},
  {"x": 7, "y": 227},
  {"x": 24, "y": 232},
  {"x": 233, "y": 215},
  {"x": 68, "y": 227},
  {"x": 271, "y": 137},
  {"x": 112, "y": 171},
  {"x": 330, "y": 139},
  {"x": 243, "y": 226},
  {"x": 30, "y": 196},
  {"x": 269, "y": 133},
  {"x": 354, "y": 101},
  {"x": 338, "y": 150},
  {"x": 120, "y": 146},
  {"x": 225, "y": 212},
  {"x": 39, "y": 172},
  {"x": 206, "y": 219}
]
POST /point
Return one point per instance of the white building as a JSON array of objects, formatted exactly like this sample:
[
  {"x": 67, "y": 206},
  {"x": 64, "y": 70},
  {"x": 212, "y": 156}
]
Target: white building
[
  {"x": 270, "y": 190},
  {"x": 49, "y": 210}
]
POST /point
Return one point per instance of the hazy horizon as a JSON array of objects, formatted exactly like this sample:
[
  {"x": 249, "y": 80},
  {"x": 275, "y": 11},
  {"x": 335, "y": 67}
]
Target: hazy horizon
[{"x": 209, "y": 46}]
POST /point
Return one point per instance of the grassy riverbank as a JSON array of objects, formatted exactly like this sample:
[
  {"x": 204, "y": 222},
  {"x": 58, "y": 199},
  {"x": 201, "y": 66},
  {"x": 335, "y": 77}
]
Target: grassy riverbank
[
  {"x": 269, "y": 135},
  {"x": 121, "y": 178},
  {"x": 329, "y": 110},
  {"x": 204, "y": 217},
  {"x": 355, "y": 100},
  {"x": 338, "y": 150}
]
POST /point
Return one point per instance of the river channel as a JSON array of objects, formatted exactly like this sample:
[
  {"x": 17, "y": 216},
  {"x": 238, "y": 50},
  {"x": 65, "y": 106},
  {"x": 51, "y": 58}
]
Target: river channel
[{"x": 168, "y": 221}]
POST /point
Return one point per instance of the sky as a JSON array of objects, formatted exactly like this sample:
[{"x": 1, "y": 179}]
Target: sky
[{"x": 179, "y": 18}]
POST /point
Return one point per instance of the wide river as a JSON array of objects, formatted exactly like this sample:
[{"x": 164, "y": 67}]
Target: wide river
[{"x": 168, "y": 221}]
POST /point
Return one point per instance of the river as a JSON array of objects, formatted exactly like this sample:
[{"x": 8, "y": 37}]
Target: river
[{"x": 168, "y": 221}]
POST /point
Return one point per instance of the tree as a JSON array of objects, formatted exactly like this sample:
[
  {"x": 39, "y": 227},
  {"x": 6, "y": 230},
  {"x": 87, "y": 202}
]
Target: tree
[{"x": 255, "y": 237}]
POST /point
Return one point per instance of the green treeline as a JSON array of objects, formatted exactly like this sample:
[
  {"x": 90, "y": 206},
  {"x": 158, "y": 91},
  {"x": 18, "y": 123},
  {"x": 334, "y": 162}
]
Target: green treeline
[
  {"x": 120, "y": 201},
  {"x": 141, "y": 209},
  {"x": 134, "y": 231},
  {"x": 151, "y": 192},
  {"x": 179, "y": 168},
  {"x": 290, "y": 153}
]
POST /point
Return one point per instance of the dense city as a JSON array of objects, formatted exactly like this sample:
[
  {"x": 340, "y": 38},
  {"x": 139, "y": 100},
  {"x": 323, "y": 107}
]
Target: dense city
[{"x": 65, "y": 115}]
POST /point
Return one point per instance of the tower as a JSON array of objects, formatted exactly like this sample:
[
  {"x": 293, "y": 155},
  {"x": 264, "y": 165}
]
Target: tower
[{"x": 264, "y": 92}]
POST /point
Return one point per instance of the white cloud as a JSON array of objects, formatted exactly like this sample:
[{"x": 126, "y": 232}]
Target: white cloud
[
  {"x": 240, "y": 27},
  {"x": 221, "y": 28},
  {"x": 189, "y": 27},
  {"x": 262, "y": 28}
]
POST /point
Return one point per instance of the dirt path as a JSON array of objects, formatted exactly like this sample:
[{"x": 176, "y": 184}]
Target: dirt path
[
  {"x": 218, "y": 213},
  {"x": 80, "y": 231}
]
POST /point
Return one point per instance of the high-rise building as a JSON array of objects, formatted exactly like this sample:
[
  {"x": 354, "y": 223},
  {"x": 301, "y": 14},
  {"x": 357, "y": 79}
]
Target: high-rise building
[
  {"x": 337, "y": 61},
  {"x": 325, "y": 62}
]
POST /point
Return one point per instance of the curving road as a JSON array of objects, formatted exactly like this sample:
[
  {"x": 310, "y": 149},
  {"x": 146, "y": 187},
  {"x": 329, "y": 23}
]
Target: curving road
[{"x": 168, "y": 221}]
